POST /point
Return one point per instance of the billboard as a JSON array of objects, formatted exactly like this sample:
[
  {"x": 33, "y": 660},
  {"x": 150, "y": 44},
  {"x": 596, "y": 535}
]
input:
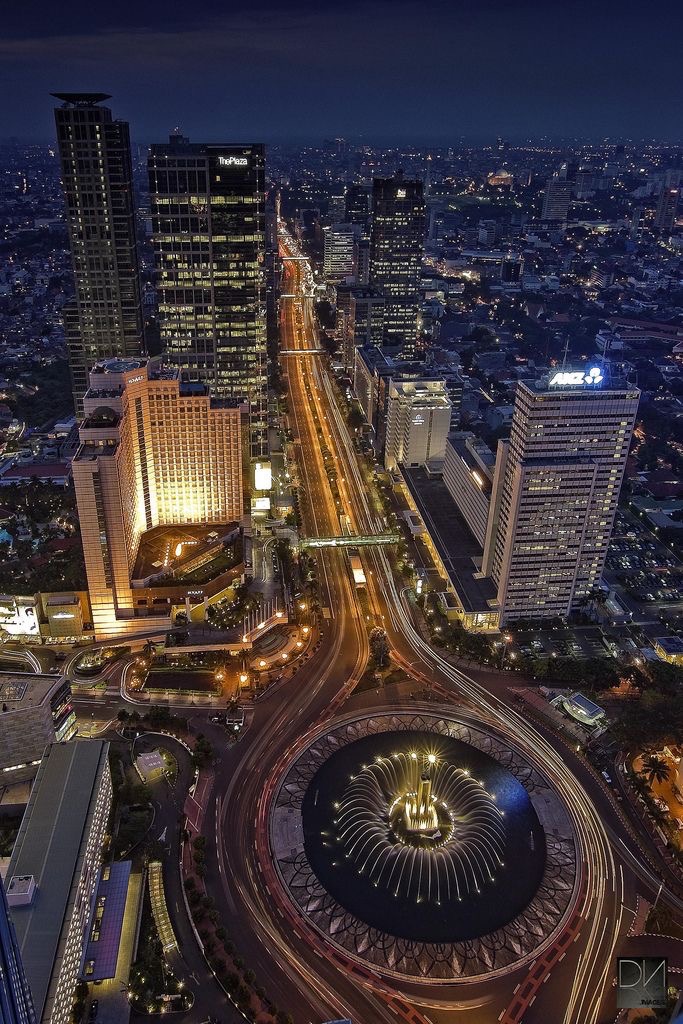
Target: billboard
[{"x": 19, "y": 616}]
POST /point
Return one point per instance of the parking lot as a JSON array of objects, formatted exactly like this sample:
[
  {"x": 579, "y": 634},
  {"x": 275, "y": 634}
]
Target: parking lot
[
  {"x": 646, "y": 569},
  {"x": 580, "y": 642}
]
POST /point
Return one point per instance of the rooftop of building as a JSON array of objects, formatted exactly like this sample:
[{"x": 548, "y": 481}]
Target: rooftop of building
[
  {"x": 22, "y": 690},
  {"x": 474, "y": 450},
  {"x": 172, "y": 549},
  {"x": 452, "y": 538},
  {"x": 90, "y": 450},
  {"x": 101, "y": 954},
  {"x": 48, "y": 847},
  {"x": 81, "y": 99},
  {"x": 591, "y": 380},
  {"x": 421, "y": 394},
  {"x": 670, "y": 644},
  {"x": 118, "y": 365}
]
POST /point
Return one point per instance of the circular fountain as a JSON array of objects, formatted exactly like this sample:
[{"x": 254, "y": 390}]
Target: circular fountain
[
  {"x": 426, "y": 839},
  {"x": 414, "y": 843},
  {"x": 420, "y": 828}
]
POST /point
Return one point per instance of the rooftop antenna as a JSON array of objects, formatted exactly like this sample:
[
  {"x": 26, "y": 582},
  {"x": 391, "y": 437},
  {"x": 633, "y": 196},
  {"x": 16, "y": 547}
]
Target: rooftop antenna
[{"x": 564, "y": 357}]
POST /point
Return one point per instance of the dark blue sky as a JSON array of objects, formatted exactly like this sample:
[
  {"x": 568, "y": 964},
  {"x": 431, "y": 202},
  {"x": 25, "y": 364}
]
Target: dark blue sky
[{"x": 382, "y": 69}]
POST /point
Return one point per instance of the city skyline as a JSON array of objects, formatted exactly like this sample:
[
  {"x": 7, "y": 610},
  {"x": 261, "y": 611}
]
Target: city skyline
[
  {"x": 442, "y": 72},
  {"x": 341, "y": 516}
]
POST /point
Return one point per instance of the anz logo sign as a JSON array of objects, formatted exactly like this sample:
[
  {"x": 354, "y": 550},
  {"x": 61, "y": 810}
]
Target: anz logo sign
[
  {"x": 233, "y": 161},
  {"x": 577, "y": 378}
]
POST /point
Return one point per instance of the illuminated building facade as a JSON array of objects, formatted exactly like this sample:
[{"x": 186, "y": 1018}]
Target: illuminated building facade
[
  {"x": 54, "y": 871},
  {"x": 36, "y": 710},
  {"x": 667, "y": 204},
  {"x": 208, "y": 224},
  {"x": 339, "y": 252},
  {"x": 16, "y": 1004},
  {"x": 555, "y": 491},
  {"x": 105, "y": 317},
  {"x": 418, "y": 421},
  {"x": 396, "y": 250},
  {"x": 557, "y": 198},
  {"x": 154, "y": 450}
]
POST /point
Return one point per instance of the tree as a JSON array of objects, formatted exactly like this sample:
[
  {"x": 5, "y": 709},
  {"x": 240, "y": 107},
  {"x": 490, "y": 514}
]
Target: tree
[
  {"x": 655, "y": 769},
  {"x": 379, "y": 647},
  {"x": 355, "y": 418}
]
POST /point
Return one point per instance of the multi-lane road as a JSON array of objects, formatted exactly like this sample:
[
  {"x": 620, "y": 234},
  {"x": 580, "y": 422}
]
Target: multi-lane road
[{"x": 571, "y": 981}]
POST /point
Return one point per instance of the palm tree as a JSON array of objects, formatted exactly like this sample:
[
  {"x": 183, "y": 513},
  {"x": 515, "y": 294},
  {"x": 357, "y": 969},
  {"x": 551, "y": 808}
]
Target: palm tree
[{"x": 654, "y": 769}]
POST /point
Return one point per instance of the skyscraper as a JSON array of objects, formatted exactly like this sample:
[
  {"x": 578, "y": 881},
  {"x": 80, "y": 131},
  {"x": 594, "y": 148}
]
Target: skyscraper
[
  {"x": 396, "y": 249},
  {"x": 557, "y": 198},
  {"x": 357, "y": 207},
  {"x": 667, "y": 203},
  {"x": 105, "y": 318},
  {"x": 16, "y": 1004},
  {"x": 208, "y": 223},
  {"x": 555, "y": 492},
  {"x": 339, "y": 252}
]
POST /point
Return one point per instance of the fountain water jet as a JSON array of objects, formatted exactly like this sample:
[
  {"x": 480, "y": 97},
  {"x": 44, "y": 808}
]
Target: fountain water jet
[{"x": 422, "y": 833}]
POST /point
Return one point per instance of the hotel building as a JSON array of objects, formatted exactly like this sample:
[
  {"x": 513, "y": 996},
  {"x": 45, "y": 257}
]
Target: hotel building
[
  {"x": 418, "y": 421},
  {"x": 154, "y": 451},
  {"x": 555, "y": 491}
]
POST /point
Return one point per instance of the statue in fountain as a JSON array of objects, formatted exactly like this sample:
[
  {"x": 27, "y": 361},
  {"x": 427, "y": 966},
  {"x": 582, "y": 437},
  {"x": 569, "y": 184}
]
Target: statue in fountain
[{"x": 420, "y": 813}]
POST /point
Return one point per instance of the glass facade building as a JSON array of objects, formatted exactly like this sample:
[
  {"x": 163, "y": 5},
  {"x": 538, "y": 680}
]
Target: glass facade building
[
  {"x": 208, "y": 224},
  {"x": 105, "y": 317},
  {"x": 396, "y": 250}
]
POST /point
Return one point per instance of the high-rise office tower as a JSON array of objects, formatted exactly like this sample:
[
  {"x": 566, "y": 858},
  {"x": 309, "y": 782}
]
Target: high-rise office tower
[
  {"x": 16, "y": 1003},
  {"x": 208, "y": 224},
  {"x": 667, "y": 203},
  {"x": 557, "y": 197},
  {"x": 339, "y": 252},
  {"x": 396, "y": 250},
  {"x": 105, "y": 317},
  {"x": 357, "y": 207},
  {"x": 555, "y": 492}
]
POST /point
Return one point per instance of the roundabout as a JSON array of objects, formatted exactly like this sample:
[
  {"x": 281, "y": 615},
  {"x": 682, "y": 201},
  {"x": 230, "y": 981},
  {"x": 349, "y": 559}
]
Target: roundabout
[{"x": 423, "y": 845}]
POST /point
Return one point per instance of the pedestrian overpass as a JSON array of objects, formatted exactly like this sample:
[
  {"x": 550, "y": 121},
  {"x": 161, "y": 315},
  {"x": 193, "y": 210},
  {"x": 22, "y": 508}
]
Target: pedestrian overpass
[{"x": 351, "y": 541}]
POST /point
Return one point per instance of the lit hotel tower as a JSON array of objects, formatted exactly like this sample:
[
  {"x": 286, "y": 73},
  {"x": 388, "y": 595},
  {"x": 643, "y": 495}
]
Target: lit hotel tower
[
  {"x": 208, "y": 223},
  {"x": 396, "y": 249},
  {"x": 105, "y": 318},
  {"x": 555, "y": 492},
  {"x": 154, "y": 451},
  {"x": 16, "y": 1004}
]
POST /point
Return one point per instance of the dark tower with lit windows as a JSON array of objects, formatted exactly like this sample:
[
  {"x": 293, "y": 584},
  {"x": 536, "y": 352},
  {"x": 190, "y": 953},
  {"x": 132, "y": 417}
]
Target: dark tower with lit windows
[
  {"x": 208, "y": 223},
  {"x": 105, "y": 318}
]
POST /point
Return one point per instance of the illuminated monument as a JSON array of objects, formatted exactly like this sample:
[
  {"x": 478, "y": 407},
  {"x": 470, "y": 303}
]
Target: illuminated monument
[
  {"x": 420, "y": 828},
  {"x": 154, "y": 451},
  {"x": 423, "y": 845}
]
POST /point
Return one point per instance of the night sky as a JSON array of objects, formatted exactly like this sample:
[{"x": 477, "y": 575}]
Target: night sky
[{"x": 380, "y": 70}]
